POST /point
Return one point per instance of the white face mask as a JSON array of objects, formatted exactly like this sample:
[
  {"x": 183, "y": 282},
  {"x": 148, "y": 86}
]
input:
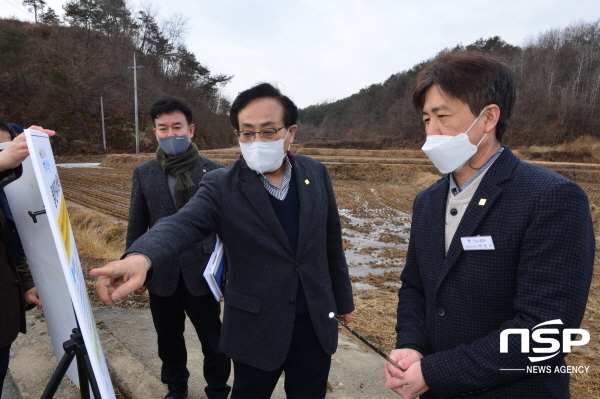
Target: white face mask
[
  {"x": 450, "y": 153},
  {"x": 264, "y": 156}
]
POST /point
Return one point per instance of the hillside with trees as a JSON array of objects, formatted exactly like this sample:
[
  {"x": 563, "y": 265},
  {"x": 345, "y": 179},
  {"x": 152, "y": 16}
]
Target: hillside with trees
[
  {"x": 54, "y": 72},
  {"x": 558, "y": 98}
]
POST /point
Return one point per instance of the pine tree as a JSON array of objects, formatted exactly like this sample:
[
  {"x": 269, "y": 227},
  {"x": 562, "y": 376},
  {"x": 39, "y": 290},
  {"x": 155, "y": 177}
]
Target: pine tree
[{"x": 37, "y": 6}]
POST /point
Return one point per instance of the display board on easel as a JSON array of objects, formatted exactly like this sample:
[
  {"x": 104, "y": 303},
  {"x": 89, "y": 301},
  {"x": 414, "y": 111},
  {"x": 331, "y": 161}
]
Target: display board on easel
[{"x": 40, "y": 212}]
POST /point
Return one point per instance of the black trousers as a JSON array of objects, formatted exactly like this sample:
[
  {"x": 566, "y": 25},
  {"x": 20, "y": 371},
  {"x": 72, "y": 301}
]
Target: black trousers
[
  {"x": 4, "y": 357},
  {"x": 306, "y": 369},
  {"x": 168, "y": 314}
]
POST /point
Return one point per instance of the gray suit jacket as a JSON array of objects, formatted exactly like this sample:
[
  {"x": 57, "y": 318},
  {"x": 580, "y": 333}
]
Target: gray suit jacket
[
  {"x": 151, "y": 201},
  {"x": 263, "y": 269}
]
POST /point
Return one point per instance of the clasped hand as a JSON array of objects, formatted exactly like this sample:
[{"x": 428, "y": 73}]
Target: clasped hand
[{"x": 407, "y": 381}]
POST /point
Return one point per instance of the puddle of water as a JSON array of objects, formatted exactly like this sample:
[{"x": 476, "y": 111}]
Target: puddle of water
[
  {"x": 79, "y": 165},
  {"x": 368, "y": 233},
  {"x": 364, "y": 286}
]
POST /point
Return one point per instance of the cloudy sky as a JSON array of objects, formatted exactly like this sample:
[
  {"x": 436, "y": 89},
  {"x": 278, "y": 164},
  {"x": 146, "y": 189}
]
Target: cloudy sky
[{"x": 325, "y": 50}]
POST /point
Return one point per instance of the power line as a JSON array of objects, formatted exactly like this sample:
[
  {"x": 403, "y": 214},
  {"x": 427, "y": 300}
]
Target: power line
[{"x": 18, "y": 6}]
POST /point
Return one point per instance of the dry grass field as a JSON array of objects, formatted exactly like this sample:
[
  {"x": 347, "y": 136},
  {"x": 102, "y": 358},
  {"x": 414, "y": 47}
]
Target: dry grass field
[{"x": 375, "y": 190}]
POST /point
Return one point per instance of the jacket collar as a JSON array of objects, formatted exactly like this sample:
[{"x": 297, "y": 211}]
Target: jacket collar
[
  {"x": 257, "y": 195},
  {"x": 490, "y": 189},
  {"x": 161, "y": 182}
]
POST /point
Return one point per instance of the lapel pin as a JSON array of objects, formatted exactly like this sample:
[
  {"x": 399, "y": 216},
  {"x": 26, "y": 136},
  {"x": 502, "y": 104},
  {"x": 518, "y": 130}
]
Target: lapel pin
[
  {"x": 307, "y": 181},
  {"x": 482, "y": 201},
  {"x": 204, "y": 170}
]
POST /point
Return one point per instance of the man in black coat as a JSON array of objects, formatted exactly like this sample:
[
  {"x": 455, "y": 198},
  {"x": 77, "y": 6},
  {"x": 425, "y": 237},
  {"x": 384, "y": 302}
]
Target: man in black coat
[
  {"x": 277, "y": 217},
  {"x": 160, "y": 188},
  {"x": 498, "y": 247}
]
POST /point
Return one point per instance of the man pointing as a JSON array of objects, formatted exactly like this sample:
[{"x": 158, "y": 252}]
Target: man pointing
[{"x": 277, "y": 217}]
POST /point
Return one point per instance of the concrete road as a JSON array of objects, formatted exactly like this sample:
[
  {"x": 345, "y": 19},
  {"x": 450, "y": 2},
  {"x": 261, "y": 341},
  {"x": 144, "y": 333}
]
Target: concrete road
[{"x": 129, "y": 344}]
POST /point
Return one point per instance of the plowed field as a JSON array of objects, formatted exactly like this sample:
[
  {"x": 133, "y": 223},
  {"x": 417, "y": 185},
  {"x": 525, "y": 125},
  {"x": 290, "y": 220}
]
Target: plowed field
[
  {"x": 374, "y": 190},
  {"x": 105, "y": 190}
]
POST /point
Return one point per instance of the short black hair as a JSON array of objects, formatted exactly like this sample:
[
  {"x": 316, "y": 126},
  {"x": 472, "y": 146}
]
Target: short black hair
[
  {"x": 263, "y": 90},
  {"x": 475, "y": 78},
  {"x": 18, "y": 129},
  {"x": 4, "y": 125},
  {"x": 168, "y": 105}
]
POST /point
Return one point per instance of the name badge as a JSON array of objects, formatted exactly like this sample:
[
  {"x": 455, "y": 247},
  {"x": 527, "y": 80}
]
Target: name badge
[{"x": 479, "y": 243}]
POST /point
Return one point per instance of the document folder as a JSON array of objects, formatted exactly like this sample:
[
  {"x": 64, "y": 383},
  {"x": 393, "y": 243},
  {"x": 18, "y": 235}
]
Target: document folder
[{"x": 216, "y": 271}]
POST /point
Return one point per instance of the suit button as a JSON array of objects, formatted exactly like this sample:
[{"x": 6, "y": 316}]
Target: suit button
[
  {"x": 441, "y": 311},
  {"x": 453, "y": 212},
  {"x": 16, "y": 282},
  {"x": 291, "y": 301}
]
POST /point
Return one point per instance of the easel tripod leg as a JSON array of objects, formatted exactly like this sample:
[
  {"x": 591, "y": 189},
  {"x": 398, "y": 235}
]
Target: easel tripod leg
[
  {"x": 74, "y": 347},
  {"x": 70, "y": 351},
  {"x": 84, "y": 387}
]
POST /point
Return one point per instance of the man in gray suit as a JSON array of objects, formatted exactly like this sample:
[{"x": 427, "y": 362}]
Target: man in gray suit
[
  {"x": 160, "y": 188},
  {"x": 278, "y": 219}
]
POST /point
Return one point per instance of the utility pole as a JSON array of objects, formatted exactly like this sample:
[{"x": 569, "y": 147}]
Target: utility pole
[
  {"x": 137, "y": 131},
  {"x": 103, "y": 131}
]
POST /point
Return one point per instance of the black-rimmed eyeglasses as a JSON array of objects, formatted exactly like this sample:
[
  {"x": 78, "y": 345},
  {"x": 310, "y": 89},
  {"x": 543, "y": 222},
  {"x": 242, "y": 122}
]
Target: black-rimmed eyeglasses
[{"x": 267, "y": 134}]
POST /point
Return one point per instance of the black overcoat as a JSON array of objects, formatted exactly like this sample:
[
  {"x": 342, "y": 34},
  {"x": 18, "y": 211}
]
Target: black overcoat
[
  {"x": 263, "y": 269},
  {"x": 151, "y": 201}
]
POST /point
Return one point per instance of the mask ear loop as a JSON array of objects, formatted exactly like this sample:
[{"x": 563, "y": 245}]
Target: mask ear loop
[
  {"x": 471, "y": 166},
  {"x": 474, "y": 122},
  {"x": 288, "y": 132},
  {"x": 290, "y": 146}
]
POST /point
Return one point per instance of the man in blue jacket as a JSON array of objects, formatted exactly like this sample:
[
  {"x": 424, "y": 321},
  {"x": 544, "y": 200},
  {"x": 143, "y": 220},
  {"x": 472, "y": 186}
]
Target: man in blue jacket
[{"x": 497, "y": 245}]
